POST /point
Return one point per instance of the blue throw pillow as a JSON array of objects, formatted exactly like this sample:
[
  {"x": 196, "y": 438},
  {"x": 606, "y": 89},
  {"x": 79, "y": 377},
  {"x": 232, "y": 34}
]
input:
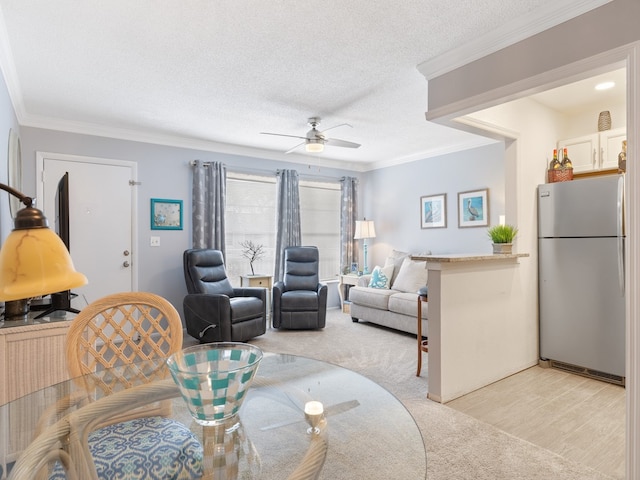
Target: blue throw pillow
[{"x": 381, "y": 277}]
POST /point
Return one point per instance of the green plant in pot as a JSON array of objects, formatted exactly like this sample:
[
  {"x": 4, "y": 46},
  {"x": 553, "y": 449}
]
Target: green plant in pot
[{"x": 502, "y": 237}]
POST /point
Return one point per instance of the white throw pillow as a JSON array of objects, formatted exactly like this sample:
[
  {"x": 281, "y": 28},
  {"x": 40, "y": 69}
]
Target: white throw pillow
[
  {"x": 411, "y": 277},
  {"x": 396, "y": 258},
  {"x": 381, "y": 277}
]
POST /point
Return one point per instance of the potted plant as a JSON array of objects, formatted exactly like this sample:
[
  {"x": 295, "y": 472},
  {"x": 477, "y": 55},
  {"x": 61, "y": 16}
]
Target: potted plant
[
  {"x": 502, "y": 237},
  {"x": 252, "y": 251}
]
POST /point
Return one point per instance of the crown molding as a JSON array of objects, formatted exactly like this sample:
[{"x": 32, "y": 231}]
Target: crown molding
[
  {"x": 542, "y": 19},
  {"x": 133, "y": 135},
  {"x": 476, "y": 142}
]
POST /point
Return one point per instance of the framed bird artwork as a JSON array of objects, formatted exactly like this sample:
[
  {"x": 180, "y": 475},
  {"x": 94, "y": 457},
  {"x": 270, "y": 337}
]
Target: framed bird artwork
[
  {"x": 473, "y": 208},
  {"x": 433, "y": 211}
]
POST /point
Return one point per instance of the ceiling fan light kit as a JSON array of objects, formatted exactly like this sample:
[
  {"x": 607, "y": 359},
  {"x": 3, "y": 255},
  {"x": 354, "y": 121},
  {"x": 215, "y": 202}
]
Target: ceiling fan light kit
[
  {"x": 313, "y": 146},
  {"x": 314, "y": 140}
]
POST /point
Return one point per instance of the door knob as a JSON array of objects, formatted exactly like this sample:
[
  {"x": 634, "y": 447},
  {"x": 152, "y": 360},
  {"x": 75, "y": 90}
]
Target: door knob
[{"x": 125, "y": 264}]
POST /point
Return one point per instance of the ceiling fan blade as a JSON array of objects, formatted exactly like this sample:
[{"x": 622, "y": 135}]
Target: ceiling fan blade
[
  {"x": 298, "y": 145},
  {"x": 341, "y": 143},
  {"x": 336, "y": 126},
  {"x": 282, "y": 135}
]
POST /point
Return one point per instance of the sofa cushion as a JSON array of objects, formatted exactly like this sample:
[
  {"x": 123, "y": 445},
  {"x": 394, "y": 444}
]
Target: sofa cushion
[
  {"x": 412, "y": 276},
  {"x": 381, "y": 277},
  {"x": 371, "y": 297},
  {"x": 396, "y": 258},
  {"x": 406, "y": 304}
]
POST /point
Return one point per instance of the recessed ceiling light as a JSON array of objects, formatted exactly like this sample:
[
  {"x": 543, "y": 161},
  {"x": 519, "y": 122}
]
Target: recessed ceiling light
[{"x": 605, "y": 85}]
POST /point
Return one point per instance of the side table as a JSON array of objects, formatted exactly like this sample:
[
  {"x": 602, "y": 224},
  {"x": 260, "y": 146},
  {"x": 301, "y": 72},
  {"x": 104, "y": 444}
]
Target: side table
[
  {"x": 422, "y": 344},
  {"x": 346, "y": 281},
  {"x": 265, "y": 281}
]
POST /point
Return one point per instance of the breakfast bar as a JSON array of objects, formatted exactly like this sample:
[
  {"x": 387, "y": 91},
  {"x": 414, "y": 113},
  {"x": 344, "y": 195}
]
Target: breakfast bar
[{"x": 480, "y": 328}]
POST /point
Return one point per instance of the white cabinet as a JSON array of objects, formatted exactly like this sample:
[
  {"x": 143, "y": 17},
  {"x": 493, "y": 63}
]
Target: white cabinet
[{"x": 598, "y": 151}]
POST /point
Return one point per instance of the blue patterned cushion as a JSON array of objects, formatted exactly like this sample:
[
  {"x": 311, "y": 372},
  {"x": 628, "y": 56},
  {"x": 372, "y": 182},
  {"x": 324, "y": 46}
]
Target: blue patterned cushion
[
  {"x": 149, "y": 448},
  {"x": 381, "y": 277}
]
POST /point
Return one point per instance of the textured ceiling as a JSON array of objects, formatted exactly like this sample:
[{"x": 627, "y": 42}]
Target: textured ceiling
[{"x": 213, "y": 74}]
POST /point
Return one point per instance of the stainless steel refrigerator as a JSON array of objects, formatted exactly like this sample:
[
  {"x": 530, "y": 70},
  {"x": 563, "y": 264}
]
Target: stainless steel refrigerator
[{"x": 581, "y": 276}]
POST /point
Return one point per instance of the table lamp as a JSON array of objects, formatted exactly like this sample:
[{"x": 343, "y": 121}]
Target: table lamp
[
  {"x": 364, "y": 230},
  {"x": 33, "y": 261}
]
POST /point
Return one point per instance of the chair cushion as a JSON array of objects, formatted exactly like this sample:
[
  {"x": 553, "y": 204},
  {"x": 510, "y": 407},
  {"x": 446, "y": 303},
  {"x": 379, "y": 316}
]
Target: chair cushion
[
  {"x": 205, "y": 273},
  {"x": 299, "y": 301},
  {"x": 245, "y": 308},
  {"x": 301, "y": 268},
  {"x": 149, "y": 448}
]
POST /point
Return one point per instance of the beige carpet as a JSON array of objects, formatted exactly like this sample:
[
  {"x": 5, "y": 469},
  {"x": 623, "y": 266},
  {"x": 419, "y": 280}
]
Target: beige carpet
[{"x": 458, "y": 447}]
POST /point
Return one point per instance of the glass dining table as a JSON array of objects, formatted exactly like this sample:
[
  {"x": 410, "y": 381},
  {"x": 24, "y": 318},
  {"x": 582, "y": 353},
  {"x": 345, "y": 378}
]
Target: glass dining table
[{"x": 369, "y": 433}]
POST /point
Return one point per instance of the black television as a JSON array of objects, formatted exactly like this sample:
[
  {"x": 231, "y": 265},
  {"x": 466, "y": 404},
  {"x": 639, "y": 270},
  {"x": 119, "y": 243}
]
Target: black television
[
  {"x": 61, "y": 301},
  {"x": 62, "y": 209}
]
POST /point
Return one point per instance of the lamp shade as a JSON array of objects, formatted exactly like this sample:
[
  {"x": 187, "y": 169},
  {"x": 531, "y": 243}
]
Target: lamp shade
[
  {"x": 34, "y": 262},
  {"x": 364, "y": 229}
]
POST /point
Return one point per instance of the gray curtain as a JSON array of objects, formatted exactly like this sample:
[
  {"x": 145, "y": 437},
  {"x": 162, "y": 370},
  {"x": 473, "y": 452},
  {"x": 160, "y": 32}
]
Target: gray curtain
[
  {"x": 348, "y": 215},
  {"x": 287, "y": 218},
  {"x": 209, "y": 192}
]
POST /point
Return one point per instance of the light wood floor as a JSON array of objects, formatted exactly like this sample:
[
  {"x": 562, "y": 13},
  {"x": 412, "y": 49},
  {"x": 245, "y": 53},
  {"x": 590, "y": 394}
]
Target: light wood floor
[{"x": 576, "y": 417}]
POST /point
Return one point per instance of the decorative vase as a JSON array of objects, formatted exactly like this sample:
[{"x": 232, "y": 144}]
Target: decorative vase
[
  {"x": 214, "y": 378},
  {"x": 503, "y": 248},
  {"x": 604, "y": 121}
]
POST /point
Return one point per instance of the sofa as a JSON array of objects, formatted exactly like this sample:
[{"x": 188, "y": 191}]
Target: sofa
[{"x": 389, "y": 295}]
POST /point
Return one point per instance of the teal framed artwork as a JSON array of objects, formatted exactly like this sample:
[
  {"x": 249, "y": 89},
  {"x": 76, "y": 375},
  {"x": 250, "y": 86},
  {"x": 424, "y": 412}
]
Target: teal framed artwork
[
  {"x": 166, "y": 214},
  {"x": 473, "y": 208}
]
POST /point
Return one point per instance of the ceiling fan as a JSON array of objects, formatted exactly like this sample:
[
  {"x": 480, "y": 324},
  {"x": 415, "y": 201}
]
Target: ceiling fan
[{"x": 315, "y": 140}]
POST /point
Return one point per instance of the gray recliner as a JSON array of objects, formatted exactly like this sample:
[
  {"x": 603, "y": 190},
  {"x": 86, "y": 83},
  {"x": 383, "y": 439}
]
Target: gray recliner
[
  {"x": 214, "y": 311},
  {"x": 300, "y": 300}
]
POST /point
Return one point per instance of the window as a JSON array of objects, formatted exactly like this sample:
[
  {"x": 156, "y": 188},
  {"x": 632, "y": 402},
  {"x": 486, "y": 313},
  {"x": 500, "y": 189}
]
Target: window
[
  {"x": 251, "y": 215},
  {"x": 320, "y": 223}
]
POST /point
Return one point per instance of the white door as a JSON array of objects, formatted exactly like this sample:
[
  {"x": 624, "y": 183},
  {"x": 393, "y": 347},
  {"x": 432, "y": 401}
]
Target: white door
[{"x": 101, "y": 219}]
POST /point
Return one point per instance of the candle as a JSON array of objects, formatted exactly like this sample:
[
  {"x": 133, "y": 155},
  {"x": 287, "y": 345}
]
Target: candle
[{"x": 313, "y": 408}]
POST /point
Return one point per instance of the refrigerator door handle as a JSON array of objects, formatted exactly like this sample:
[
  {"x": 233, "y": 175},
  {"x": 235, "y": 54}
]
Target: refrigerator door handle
[{"x": 620, "y": 232}]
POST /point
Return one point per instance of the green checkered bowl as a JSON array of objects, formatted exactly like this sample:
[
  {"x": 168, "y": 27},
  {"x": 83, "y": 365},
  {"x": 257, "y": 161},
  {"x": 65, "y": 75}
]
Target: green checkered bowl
[{"x": 214, "y": 379}]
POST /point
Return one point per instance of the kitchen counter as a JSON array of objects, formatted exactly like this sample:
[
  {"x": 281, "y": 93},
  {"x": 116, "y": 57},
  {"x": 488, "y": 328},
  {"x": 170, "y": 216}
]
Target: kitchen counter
[
  {"x": 469, "y": 257},
  {"x": 479, "y": 328}
]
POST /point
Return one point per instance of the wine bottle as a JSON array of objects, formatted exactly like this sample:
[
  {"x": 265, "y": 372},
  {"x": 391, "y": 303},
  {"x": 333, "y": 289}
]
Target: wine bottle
[
  {"x": 566, "y": 163},
  {"x": 622, "y": 158},
  {"x": 555, "y": 163}
]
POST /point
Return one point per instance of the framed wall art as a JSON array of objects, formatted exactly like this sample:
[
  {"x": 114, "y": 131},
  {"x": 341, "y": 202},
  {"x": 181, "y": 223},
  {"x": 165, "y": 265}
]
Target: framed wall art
[
  {"x": 166, "y": 214},
  {"x": 473, "y": 208},
  {"x": 433, "y": 211}
]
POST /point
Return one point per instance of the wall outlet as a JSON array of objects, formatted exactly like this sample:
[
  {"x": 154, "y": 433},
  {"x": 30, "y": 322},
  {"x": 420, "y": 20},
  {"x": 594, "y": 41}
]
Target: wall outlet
[{"x": 155, "y": 242}]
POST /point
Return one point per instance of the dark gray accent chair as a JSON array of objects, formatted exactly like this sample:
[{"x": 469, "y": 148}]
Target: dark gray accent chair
[
  {"x": 214, "y": 311},
  {"x": 300, "y": 300}
]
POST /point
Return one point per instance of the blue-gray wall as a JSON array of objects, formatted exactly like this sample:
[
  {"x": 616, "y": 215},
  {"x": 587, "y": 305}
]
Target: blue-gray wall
[
  {"x": 392, "y": 199},
  {"x": 390, "y": 196},
  {"x": 8, "y": 122},
  {"x": 163, "y": 172}
]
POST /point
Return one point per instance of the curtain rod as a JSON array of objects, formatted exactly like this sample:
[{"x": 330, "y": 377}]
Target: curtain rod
[{"x": 271, "y": 172}]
